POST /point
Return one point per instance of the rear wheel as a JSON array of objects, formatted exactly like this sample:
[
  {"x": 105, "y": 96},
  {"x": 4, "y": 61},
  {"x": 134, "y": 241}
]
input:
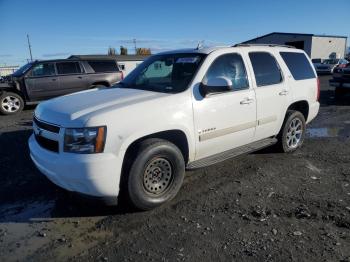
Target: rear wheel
[
  {"x": 292, "y": 135},
  {"x": 11, "y": 103},
  {"x": 156, "y": 174}
]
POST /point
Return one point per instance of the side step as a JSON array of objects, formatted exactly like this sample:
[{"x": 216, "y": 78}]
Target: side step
[{"x": 217, "y": 158}]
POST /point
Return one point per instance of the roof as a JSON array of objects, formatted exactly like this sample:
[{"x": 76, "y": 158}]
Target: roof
[
  {"x": 205, "y": 50},
  {"x": 299, "y": 34},
  {"x": 110, "y": 57}
]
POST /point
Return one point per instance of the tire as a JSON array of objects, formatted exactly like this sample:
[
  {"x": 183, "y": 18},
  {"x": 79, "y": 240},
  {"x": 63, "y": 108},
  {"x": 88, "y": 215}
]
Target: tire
[
  {"x": 292, "y": 134},
  {"x": 11, "y": 103},
  {"x": 156, "y": 174}
]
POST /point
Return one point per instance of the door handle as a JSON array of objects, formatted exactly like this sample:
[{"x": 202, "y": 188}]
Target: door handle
[
  {"x": 80, "y": 77},
  {"x": 283, "y": 93},
  {"x": 53, "y": 79},
  {"x": 246, "y": 101}
]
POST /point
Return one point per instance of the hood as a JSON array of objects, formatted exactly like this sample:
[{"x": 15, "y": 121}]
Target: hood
[{"x": 75, "y": 109}]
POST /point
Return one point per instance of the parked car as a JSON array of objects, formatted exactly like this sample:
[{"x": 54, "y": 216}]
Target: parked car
[
  {"x": 328, "y": 65},
  {"x": 41, "y": 80},
  {"x": 180, "y": 109},
  {"x": 341, "y": 80}
]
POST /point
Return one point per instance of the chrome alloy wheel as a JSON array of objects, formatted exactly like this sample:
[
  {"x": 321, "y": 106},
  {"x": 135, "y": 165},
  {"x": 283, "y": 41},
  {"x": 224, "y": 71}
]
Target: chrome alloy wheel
[
  {"x": 294, "y": 133},
  {"x": 158, "y": 176},
  {"x": 10, "y": 104}
]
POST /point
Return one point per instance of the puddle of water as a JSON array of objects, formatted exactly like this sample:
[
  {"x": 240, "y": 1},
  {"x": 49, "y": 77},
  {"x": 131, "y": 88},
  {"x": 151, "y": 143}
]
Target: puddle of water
[
  {"x": 322, "y": 132},
  {"x": 342, "y": 132},
  {"x": 21, "y": 212}
]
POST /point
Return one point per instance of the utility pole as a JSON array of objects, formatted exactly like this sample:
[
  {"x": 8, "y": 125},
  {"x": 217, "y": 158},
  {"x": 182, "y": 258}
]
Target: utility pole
[
  {"x": 30, "y": 48},
  {"x": 134, "y": 40}
]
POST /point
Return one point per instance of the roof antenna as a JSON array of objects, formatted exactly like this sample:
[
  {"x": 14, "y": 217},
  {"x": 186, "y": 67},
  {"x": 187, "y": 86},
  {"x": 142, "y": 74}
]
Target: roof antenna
[{"x": 200, "y": 44}]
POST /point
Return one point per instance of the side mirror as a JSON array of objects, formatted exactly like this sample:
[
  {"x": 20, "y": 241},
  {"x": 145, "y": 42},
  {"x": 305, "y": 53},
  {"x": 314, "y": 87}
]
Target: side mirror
[{"x": 215, "y": 85}]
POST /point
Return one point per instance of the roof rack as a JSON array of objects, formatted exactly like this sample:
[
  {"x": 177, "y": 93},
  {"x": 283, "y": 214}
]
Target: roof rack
[{"x": 270, "y": 45}]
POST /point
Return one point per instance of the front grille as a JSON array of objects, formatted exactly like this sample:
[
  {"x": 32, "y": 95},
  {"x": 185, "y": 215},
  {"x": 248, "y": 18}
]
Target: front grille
[
  {"x": 47, "y": 143},
  {"x": 46, "y": 126}
]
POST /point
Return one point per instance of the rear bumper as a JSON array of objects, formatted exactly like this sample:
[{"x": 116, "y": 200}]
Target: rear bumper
[{"x": 96, "y": 175}]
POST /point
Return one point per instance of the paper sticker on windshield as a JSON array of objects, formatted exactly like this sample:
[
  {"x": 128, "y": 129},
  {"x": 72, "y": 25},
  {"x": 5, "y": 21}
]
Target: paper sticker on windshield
[{"x": 187, "y": 60}]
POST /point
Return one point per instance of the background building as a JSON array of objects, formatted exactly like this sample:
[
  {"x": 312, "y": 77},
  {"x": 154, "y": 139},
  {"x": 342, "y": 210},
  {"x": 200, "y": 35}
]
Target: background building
[
  {"x": 127, "y": 63},
  {"x": 316, "y": 46},
  {"x": 7, "y": 70}
]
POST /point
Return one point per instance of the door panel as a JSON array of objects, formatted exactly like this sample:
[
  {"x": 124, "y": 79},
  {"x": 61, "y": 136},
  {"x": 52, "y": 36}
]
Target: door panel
[
  {"x": 71, "y": 77},
  {"x": 40, "y": 88},
  {"x": 271, "y": 91},
  {"x": 225, "y": 120},
  {"x": 270, "y": 109},
  {"x": 41, "y": 81},
  {"x": 72, "y": 83}
]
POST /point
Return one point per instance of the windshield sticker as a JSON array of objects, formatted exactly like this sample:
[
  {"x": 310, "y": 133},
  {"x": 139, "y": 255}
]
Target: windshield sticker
[{"x": 187, "y": 60}]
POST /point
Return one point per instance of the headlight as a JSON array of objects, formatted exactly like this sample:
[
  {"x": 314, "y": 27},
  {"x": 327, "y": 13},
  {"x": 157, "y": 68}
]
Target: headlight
[{"x": 85, "y": 140}]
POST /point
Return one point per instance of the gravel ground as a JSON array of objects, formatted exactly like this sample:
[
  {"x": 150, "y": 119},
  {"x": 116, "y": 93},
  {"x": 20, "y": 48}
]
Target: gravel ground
[{"x": 263, "y": 206}]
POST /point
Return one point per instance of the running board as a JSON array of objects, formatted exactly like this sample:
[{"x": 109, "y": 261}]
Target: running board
[{"x": 217, "y": 158}]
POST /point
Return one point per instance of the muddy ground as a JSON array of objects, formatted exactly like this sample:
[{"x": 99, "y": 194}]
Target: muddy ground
[{"x": 263, "y": 206}]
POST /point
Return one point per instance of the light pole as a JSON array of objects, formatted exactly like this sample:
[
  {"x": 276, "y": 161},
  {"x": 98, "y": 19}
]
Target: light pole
[{"x": 30, "y": 48}]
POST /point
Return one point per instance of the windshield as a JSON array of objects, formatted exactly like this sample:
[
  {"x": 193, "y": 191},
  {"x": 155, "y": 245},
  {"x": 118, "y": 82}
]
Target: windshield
[
  {"x": 22, "y": 69},
  {"x": 169, "y": 73}
]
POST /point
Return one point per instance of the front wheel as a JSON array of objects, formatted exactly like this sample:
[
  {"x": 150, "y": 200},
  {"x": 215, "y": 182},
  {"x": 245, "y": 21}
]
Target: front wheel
[
  {"x": 11, "y": 103},
  {"x": 292, "y": 135},
  {"x": 156, "y": 174}
]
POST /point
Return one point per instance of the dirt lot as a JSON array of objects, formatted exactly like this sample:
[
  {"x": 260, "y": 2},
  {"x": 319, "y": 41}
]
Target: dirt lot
[{"x": 258, "y": 207}]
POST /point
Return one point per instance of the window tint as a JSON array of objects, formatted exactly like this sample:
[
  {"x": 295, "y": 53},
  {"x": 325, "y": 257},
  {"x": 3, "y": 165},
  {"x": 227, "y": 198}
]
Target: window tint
[
  {"x": 104, "y": 66},
  {"x": 68, "y": 68},
  {"x": 230, "y": 66},
  {"x": 45, "y": 69},
  {"x": 265, "y": 69},
  {"x": 298, "y": 65}
]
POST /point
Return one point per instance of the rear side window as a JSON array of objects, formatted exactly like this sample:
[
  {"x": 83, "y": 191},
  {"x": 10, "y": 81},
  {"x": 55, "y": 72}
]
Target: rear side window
[
  {"x": 68, "y": 68},
  {"x": 298, "y": 65},
  {"x": 104, "y": 66},
  {"x": 265, "y": 67}
]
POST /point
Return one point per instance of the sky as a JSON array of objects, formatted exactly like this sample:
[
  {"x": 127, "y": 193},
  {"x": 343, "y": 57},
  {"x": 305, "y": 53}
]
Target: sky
[{"x": 59, "y": 28}]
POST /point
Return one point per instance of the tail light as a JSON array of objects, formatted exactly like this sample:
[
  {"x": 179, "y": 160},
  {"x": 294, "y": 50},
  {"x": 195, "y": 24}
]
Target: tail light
[{"x": 318, "y": 89}]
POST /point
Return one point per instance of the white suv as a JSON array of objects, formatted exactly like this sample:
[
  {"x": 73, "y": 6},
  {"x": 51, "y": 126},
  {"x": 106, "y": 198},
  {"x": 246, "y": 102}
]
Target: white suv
[{"x": 177, "y": 110}]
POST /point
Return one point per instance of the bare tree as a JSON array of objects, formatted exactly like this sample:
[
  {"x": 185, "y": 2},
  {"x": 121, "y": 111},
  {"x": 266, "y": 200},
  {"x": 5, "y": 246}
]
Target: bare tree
[
  {"x": 123, "y": 50},
  {"x": 111, "y": 51},
  {"x": 143, "y": 51}
]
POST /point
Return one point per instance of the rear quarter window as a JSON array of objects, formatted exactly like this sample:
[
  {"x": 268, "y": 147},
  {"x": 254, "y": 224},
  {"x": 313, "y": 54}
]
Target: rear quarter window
[
  {"x": 104, "y": 66},
  {"x": 298, "y": 65}
]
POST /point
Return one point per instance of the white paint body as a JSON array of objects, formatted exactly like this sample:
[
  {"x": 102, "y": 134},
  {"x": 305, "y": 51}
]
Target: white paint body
[{"x": 132, "y": 114}]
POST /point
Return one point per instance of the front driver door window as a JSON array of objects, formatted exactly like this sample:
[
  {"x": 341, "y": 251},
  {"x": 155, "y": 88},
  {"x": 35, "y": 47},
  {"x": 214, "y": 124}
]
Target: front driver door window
[
  {"x": 44, "y": 69},
  {"x": 232, "y": 67}
]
